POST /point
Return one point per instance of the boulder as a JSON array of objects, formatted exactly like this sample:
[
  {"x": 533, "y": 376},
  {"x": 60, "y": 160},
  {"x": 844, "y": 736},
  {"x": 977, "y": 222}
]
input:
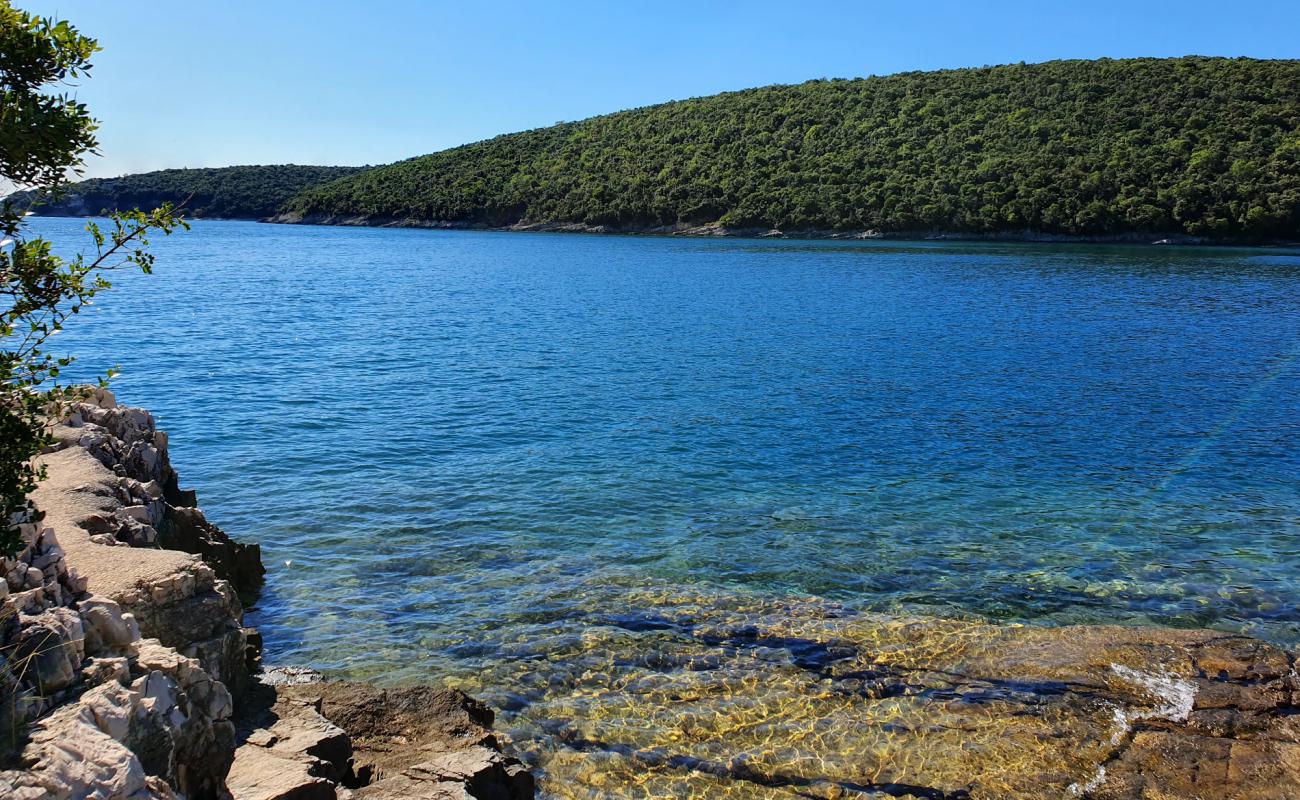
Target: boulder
[
  {"x": 50, "y": 647},
  {"x": 106, "y": 627}
]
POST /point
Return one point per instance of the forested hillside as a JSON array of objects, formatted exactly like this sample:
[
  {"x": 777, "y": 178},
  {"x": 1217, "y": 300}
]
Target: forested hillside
[
  {"x": 252, "y": 192},
  {"x": 1201, "y": 146}
]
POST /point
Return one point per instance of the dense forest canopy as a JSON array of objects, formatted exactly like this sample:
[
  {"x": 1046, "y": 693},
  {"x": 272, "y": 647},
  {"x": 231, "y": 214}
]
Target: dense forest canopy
[
  {"x": 1207, "y": 147},
  {"x": 252, "y": 192},
  {"x": 1202, "y": 146}
]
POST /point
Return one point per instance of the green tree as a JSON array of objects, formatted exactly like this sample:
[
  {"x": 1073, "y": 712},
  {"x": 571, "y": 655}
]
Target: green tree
[
  {"x": 248, "y": 192},
  {"x": 44, "y": 135}
]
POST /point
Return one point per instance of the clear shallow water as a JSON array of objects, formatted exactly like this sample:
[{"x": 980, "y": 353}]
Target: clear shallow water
[{"x": 464, "y": 441}]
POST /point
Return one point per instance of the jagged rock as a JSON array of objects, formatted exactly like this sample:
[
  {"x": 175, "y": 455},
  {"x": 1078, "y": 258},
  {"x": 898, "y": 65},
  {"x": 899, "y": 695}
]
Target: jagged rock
[
  {"x": 476, "y": 773},
  {"x": 80, "y": 761},
  {"x": 310, "y": 735},
  {"x": 76, "y": 582},
  {"x": 102, "y": 670},
  {"x": 296, "y": 730},
  {"x": 116, "y": 716},
  {"x": 111, "y": 706},
  {"x": 100, "y": 397},
  {"x": 186, "y": 529},
  {"x": 175, "y": 740},
  {"x": 260, "y": 774},
  {"x": 137, "y": 513},
  {"x": 30, "y": 602},
  {"x": 50, "y": 645},
  {"x": 49, "y": 558},
  {"x": 416, "y": 742},
  {"x": 293, "y": 753},
  {"x": 125, "y": 743},
  {"x": 200, "y": 616}
]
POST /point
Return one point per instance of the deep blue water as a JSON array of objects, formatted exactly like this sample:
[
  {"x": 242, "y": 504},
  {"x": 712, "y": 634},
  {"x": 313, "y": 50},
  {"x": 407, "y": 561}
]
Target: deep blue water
[{"x": 455, "y": 435}]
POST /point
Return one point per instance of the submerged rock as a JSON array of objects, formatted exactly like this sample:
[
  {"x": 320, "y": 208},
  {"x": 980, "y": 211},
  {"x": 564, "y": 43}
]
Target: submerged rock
[{"x": 705, "y": 695}]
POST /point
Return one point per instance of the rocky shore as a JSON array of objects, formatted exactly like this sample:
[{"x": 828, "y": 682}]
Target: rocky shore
[{"x": 127, "y": 672}]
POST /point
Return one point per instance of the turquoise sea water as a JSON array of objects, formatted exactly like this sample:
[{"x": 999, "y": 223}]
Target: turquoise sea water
[
  {"x": 436, "y": 426},
  {"x": 465, "y": 449}
]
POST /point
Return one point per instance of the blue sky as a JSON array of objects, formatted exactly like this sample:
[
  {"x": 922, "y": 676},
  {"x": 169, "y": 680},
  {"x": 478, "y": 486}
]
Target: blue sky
[{"x": 217, "y": 82}]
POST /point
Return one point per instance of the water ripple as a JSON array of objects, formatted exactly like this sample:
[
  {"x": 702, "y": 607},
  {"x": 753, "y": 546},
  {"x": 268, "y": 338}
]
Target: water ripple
[{"x": 446, "y": 433}]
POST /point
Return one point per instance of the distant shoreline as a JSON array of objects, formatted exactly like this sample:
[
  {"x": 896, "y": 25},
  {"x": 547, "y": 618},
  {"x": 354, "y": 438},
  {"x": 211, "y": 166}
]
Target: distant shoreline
[{"x": 716, "y": 231}]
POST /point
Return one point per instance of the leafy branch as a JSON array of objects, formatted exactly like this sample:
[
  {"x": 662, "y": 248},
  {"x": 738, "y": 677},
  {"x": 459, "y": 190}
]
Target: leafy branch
[{"x": 44, "y": 135}]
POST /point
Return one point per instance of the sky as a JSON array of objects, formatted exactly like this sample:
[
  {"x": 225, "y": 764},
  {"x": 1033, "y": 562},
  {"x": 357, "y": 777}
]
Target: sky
[{"x": 217, "y": 82}]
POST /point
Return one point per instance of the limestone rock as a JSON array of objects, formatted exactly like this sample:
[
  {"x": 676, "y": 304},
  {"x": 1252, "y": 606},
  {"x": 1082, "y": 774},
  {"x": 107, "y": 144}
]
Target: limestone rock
[
  {"x": 477, "y": 772},
  {"x": 101, "y": 670},
  {"x": 119, "y": 743},
  {"x": 106, "y": 626},
  {"x": 195, "y": 613},
  {"x": 51, "y": 645},
  {"x": 116, "y": 716},
  {"x": 260, "y": 774},
  {"x": 295, "y": 753},
  {"x": 1170, "y": 764},
  {"x": 302, "y": 733},
  {"x": 416, "y": 742}
]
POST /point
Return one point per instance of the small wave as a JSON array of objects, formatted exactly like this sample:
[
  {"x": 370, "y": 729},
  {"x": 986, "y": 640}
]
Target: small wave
[
  {"x": 1176, "y": 698},
  {"x": 1176, "y": 695}
]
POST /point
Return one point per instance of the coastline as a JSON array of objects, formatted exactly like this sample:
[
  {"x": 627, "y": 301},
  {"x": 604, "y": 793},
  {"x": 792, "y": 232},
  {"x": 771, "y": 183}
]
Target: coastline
[
  {"x": 884, "y": 493},
  {"x": 718, "y": 231}
]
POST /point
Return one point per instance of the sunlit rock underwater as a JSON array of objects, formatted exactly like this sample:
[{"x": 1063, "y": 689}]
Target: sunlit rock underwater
[{"x": 659, "y": 691}]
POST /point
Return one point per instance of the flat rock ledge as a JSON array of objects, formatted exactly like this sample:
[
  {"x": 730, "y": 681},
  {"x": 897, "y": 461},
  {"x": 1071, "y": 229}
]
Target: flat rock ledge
[
  {"x": 321, "y": 741},
  {"x": 139, "y": 540},
  {"x": 119, "y": 660}
]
